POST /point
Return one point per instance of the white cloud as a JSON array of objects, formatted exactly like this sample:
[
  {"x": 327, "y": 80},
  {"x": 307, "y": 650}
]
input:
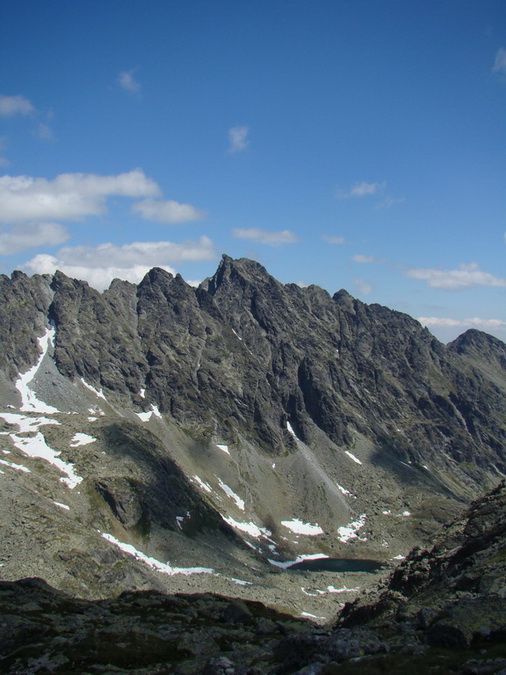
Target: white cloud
[
  {"x": 238, "y": 139},
  {"x": 127, "y": 81},
  {"x": 265, "y": 237},
  {"x": 467, "y": 275},
  {"x": 15, "y": 105},
  {"x": 333, "y": 240},
  {"x": 99, "y": 265},
  {"x": 69, "y": 196},
  {"x": 475, "y": 322},
  {"x": 500, "y": 62},
  {"x": 363, "y": 286},
  {"x": 362, "y": 189},
  {"x": 30, "y": 235},
  {"x": 360, "y": 258},
  {"x": 167, "y": 211},
  {"x": 389, "y": 201}
]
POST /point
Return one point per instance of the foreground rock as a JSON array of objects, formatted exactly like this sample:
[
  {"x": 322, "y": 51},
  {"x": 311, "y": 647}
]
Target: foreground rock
[{"x": 443, "y": 610}]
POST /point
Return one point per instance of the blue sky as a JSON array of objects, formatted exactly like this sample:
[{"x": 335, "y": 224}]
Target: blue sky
[{"x": 356, "y": 144}]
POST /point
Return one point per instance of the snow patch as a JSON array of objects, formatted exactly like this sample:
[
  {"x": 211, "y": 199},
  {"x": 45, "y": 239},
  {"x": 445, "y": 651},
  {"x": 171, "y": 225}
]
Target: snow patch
[
  {"x": 299, "y": 527},
  {"x": 347, "y": 532},
  {"x": 240, "y": 582},
  {"x": 398, "y": 557},
  {"x": 230, "y": 493},
  {"x": 290, "y": 429},
  {"x": 35, "y": 446},
  {"x": 100, "y": 393},
  {"x": 29, "y": 401},
  {"x": 223, "y": 447},
  {"x": 298, "y": 559},
  {"x": 330, "y": 589},
  {"x": 344, "y": 490},
  {"x": 142, "y": 393},
  {"x": 146, "y": 416},
  {"x": 351, "y": 456},
  {"x": 203, "y": 485},
  {"x": 62, "y": 506},
  {"x": 249, "y": 528},
  {"x": 12, "y": 465},
  {"x": 312, "y": 616},
  {"x": 81, "y": 439},
  {"x": 165, "y": 568}
]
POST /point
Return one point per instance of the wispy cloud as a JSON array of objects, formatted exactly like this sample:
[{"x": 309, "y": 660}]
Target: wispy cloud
[
  {"x": 44, "y": 132},
  {"x": 167, "y": 211},
  {"x": 15, "y": 105},
  {"x": 467, "y": 275},
  {"x": 475, "y": 322},
  {"x": 364, "y": 287},
  {"x": 330, "y": 239},
  {"x": 127, "y": 81},
  {"x": 362, "y": 189},
  {"x": 3, "y": 143},
  {"x": 364, "y": 259},
  {"x": 500, "y": 62},
  {"x": 389, "y": 201},
  {"x": 265, "y": 237},
  {"x": 31, "y": 235},
  {"x": 99, "y": 265},
  {"x": 238, "y": 139}
]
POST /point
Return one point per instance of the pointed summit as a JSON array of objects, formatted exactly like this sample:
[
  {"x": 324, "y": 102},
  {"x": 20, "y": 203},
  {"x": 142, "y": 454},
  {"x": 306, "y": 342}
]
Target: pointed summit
[{"x": 241, "y": 270}]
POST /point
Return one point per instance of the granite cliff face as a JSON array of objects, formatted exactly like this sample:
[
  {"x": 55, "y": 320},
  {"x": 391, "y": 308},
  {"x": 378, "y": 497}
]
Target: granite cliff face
[{"x": 228, "y": 425}]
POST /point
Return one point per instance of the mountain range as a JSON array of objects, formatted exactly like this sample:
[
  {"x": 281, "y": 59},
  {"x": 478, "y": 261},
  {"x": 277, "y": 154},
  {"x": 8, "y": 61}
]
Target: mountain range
[{"x": 165, "y": 438}]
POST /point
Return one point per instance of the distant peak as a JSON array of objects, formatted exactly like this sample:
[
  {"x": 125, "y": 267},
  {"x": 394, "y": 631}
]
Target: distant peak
[
  {"x": 156, "y": 275},
  {"x": 475, "y": 338}
]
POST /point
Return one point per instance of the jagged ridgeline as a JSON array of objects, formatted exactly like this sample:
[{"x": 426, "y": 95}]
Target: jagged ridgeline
[{"x": 242, "y": 420}]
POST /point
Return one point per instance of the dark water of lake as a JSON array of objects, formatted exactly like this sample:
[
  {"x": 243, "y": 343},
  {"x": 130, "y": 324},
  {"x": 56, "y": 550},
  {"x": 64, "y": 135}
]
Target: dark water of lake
[{"x": 337, "y": 565}]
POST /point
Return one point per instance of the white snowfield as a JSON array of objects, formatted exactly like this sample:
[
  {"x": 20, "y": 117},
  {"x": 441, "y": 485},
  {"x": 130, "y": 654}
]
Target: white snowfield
[
  {"x": 315, "y": 592},
  {"x": 230, "y": 493},
  {"x": 352, "y": 456},
  {"x": 249, "y": 528},
  {"x": 100, "y": 393},
  {"x": 347, "y": 532},
  {"x": 29, "y": 402},
  {"x": 62, "y": 506},
  {"x": 298, "y": 559},
  {"x": 13, "y": 465},
  {"x": 344, "y": 491},
  {"x": 299, "y": 527},
  {"x": 81, "y": 439},
  {"x": 290, "y": 429},
  {"x": 146, "y": 416},
  {"x": 203, "y": 485},
  {"x": 35, "y": 445},
  {"x": 155, "y": 564},
  {"x": 223, "y": 447}
]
